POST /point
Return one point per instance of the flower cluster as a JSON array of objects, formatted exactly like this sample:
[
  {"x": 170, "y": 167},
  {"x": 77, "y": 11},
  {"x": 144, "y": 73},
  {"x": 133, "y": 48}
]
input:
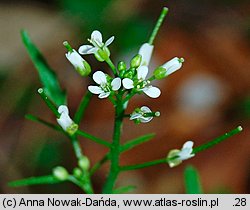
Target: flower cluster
[{"x": 130, "y": 81}]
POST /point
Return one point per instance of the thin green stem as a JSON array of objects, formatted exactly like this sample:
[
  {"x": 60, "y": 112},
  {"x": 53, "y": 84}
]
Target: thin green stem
[
  {"x": 112, "y": 66},
  {"x": 39, "y": 120},
  {"x": 93, "y": 138},
  {"x": 76, "y": 147},
  {"x": 158, "y": 25},
  {"x": 217, "y": 140},
  {"x": 49, "y": 103},
  {"x": 82, "y": 107},
  {"x": 195, "y": 151},
  {"x": 143, "y": 165},
  {"x": 115, "y": 149},
  {"x": 135, "y": 142}
]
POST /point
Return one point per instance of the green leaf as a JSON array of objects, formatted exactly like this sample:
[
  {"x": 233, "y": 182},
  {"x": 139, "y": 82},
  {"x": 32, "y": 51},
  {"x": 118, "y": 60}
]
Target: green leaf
[
  {"x": 124, "y": 189},
  {"x": 192, "y": 181},
  {"x": 135, "y": 142},
  {"x": 47, "y": 75},
  {"x": 34, "y": 181}
]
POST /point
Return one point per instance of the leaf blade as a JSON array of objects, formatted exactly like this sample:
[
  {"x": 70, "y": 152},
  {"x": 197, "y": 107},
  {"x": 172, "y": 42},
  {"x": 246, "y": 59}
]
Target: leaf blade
[
  {"x": 47, "y": 76},
  {"x": 192, "y": 181}
]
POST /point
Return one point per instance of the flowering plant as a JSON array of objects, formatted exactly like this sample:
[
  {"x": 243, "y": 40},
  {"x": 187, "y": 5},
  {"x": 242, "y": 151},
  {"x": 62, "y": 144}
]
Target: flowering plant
[{"x": 119, "y": 87}]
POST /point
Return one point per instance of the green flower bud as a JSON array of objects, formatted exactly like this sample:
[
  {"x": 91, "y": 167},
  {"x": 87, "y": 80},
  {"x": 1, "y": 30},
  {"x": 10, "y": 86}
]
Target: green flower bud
[
  {"x": 136, "y": 61},
  {"x": 129, "y": 74},
  {"x": 121, "y": 66},
  {"x": 60, "y": 173},
  {"x": 84, "y": 163},
  {"x": 77, "y": 172}
]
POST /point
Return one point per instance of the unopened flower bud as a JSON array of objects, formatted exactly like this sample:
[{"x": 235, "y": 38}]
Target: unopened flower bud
[
  {"x": 60, "y": 173},
  {"x": 136, "y": 61},
  {"x": 121, "y": 66},
  {"x": 84, "y": 163},
  {"x": 77, "y": 172},
  {"x": 81, "y": 66},
  {"x": 65, "y": 121},
  {"x": 168, "y": 68},
  {"x": 129, "y": 73}
]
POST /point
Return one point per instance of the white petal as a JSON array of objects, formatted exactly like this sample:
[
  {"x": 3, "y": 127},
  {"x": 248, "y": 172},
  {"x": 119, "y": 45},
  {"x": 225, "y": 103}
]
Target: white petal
[
  {"x": 63, "y": 109},
  {"x": 145, "y": 109},
  {"x": 64, "y": 121},
  {"x": 95, "y": 89},
  {"x": 152, "y": 92},
  {"x": 173, "y": 65},
  {"x": 142, "y": 72},
  {"x": 93, "y": 50},
  {"x": 116, "y": 84},
  {"x": 146, "y": 51},
  {"x": 127, "y": 83},
  {"x": 145, "y": 119},
  {"x": 109, "y": 41},
  {"x": 99, "y": 77},
  {"x": 75, "y": 59},
  {"x": 104, "y": 95},
  {"x": 84, "y": 49},
  {"x": 135, "y": 116},
  {"x": 188, "y": 144},
  {"x": 96, "y": 36}
]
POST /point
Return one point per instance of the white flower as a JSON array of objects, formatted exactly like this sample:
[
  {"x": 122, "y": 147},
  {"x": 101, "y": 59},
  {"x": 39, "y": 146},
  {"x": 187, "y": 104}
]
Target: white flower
[
  {"x": 173, "y": 65},
  {"x": 139, "y": 115},
  {"x": 141, "y": 83},
  {"x": 104, "y": 89},
  {"x": 75, "y": 59},
  {"x": 65, "y": 121},
  {"x": 180, "y": 155},
  {"x": 146, "y": 51},
  {"x": 186, "y": 151},
  {"x": 96, "y": 41},
  {"x": 78, "y": 62}
]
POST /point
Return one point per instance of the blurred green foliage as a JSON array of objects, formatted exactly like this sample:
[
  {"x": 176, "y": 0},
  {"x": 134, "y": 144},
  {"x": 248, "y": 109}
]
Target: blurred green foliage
[{"x": 129, "y": 31}]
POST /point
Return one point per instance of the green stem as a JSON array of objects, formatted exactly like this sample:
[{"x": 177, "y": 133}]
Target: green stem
[
  {"x": 158, "y": 25},
  {"x": 76, "y": 147},
  {"x": 115, "y": 149},
  {"x": 112, "y": 66},
  {"x": 49, "y": 103},
  {"x": 93, "y": 138},
  {"x": 39, "y": 120},
  {"x": 82, "y": 107},
  {"x": 217, "y": 140},
  {"x": 195, "y": 151},
  {"x": 143, "y": 165}
]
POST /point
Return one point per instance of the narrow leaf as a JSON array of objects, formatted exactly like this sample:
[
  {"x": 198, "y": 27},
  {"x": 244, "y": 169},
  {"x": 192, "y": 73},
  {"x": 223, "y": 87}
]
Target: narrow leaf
[
  {"x": 34, "y": 181},
  {"x": 192, "y": 181},
  {"x": 46, "y": 74},
  {"x": 137, "y": 141}
]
